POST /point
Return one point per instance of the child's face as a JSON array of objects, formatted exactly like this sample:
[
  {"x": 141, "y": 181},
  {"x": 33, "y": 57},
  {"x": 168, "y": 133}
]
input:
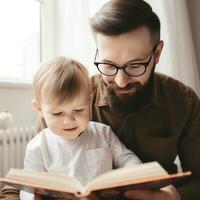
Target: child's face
[{"x": 68, "y": 120}]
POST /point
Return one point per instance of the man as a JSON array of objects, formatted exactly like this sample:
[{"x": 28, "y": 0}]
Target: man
[{"x": 154, "y": 115}]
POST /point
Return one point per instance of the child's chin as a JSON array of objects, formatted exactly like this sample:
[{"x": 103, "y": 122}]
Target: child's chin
[{"x": 74, "y": 137}]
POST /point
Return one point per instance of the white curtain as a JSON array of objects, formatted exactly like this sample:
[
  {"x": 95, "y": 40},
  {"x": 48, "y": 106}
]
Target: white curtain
[
  {"x": 73, "y": 36},
  {"x": 178, "y": 57}
]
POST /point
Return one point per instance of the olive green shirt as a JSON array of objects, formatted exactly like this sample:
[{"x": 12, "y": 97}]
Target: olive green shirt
[{"x": 166, "y": 125}]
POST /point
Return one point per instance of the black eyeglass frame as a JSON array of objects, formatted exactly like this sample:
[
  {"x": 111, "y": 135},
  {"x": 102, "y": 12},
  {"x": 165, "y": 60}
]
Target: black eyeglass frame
[{"x": 123, "y": 67}]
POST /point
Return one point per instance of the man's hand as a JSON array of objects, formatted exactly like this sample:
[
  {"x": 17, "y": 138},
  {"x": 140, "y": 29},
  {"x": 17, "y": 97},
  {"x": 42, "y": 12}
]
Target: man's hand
[
  {"x": 37, "y": 197},
  {"x": 166, "y": 193},
  {"x": 92, "y": 196}
]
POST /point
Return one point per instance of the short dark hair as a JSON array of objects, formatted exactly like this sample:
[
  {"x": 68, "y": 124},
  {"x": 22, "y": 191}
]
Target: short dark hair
[{"x": 121, "y": 16}]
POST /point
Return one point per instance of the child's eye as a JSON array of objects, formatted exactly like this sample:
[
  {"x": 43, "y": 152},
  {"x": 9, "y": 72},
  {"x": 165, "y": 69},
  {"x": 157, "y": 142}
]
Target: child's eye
[
  {"x": 79, "y": 110},
  {"x": 56, "y": 114}
]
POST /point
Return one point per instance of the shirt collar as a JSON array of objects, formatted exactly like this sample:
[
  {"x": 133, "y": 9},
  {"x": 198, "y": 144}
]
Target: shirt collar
[{"x": 156, "y": 99}]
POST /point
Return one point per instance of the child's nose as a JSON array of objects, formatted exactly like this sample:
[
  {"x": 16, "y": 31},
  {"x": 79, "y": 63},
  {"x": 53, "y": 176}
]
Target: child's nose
[{"x": 68, "y": 119}]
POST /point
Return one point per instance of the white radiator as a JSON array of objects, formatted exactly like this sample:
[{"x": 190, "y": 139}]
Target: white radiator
[{"x": 12, "y": 147}]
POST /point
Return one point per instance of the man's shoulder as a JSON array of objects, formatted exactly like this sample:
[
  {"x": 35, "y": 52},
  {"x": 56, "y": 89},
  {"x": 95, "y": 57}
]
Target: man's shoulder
[
  {"x": 176, "y": 94},
  {"x": 171, "y": 85},
  {"x": 167, "y": 81}
]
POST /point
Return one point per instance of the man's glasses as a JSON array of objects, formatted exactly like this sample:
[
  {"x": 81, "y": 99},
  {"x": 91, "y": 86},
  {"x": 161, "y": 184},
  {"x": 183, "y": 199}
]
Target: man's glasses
[{"x": 131, "y": 69}]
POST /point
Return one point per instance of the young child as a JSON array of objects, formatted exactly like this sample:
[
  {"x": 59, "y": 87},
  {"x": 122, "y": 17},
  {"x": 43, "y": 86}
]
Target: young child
[{"x": 71, "y": 143}]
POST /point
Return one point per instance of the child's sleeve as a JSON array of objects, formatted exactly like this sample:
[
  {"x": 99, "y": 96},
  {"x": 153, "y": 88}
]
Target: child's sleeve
[
  {"x": 33, "y": 161},
  {"x": 33, "y": 157},
  {"x": 122, "y": 156},
  {"x": 26, "y": 195}
]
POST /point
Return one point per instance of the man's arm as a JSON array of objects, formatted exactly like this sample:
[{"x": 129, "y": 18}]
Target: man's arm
[
  {"x": 166, "y": 193},
  {"x": 188, "y": 149}
]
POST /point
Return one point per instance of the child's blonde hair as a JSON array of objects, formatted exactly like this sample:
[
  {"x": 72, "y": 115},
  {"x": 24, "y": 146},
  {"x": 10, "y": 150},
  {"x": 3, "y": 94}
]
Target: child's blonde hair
[{"x": 60, "y": 79}]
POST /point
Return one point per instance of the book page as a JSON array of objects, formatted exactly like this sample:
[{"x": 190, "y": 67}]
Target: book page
[
  {"x": 123, "y": 175},
  {"x": 51, "y": 180}
]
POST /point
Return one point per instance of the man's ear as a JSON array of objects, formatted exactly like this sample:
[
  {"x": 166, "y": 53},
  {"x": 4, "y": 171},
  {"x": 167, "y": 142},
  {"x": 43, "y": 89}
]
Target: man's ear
[
  {"x": 158, "y": 51},
  {"x": 36, "y": 104}
]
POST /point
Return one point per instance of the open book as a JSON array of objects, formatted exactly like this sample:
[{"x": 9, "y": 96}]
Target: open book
[{"x": 113, "y": 183}]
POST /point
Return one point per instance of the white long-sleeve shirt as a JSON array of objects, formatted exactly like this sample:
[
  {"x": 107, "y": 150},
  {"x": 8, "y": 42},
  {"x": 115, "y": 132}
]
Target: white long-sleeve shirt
[{"x": 94, "y": 152}]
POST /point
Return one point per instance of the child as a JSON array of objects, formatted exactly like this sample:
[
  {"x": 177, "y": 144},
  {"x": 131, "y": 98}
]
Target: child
[{"x": 71, "y": 143}]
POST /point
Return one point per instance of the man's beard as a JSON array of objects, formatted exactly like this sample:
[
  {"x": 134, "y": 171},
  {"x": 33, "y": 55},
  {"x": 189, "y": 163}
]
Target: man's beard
[{"x": 126, "y": 104}]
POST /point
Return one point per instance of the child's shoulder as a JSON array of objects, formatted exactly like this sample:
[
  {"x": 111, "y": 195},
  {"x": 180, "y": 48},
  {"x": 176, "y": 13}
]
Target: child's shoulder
[
  {"x": 99, "y": 126},
  {"x": 36, "y": 141},
  {"x": 97, "y": 129}
]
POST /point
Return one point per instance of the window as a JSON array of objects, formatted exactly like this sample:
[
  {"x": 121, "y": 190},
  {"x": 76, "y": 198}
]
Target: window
[{"x": 20, "y": 46}]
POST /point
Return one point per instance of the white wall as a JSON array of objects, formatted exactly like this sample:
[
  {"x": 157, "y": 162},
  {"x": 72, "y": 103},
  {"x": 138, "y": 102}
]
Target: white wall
[{"x": 16, "y": 98}]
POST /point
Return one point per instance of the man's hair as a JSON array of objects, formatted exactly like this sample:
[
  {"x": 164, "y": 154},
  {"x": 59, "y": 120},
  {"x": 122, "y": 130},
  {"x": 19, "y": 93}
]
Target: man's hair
[
  {"x": 60, "y": 79},
  {"x": 121, "y": 16}
]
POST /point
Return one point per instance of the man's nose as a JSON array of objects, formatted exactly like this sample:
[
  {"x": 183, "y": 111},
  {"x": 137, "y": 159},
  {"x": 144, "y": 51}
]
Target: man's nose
[{"x": 122, "y": 79}]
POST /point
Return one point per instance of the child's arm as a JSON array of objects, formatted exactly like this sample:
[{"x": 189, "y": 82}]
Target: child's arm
[
  {"x": 122, "y": 156},
  {"x": 26, "y": 195},
  {"x": 33, "y": 161}
]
